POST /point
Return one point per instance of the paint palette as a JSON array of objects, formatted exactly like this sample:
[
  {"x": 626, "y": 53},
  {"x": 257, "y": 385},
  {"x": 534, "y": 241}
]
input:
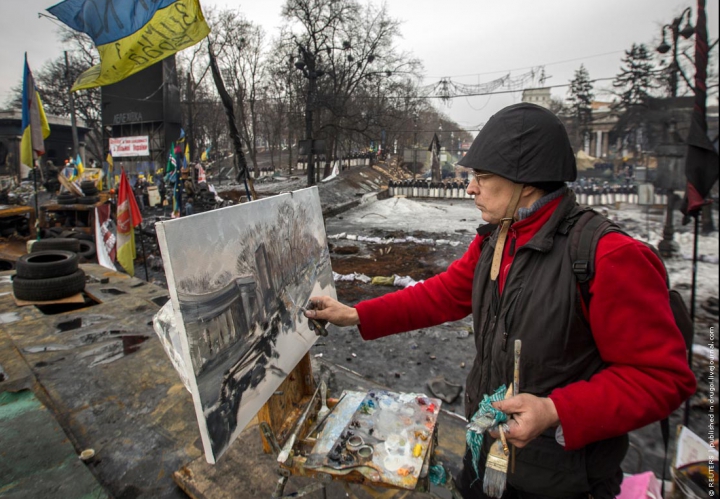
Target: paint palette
[{"x": 383, "y": 435}]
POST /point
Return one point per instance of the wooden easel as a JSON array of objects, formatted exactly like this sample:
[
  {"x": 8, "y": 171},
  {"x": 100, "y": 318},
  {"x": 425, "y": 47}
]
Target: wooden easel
[{"x": 283, "y": 409}]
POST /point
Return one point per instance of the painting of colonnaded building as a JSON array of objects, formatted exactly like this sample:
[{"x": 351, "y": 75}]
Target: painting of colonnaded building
[{"x": 238, "y": 278}]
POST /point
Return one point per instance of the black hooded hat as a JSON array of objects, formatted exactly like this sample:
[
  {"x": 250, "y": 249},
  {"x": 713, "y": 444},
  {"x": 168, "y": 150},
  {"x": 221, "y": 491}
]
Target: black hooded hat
[{"x": 525, "y": 144}]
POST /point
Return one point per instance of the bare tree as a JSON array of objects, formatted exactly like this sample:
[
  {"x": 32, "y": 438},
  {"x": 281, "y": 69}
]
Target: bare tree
[
  {"x": 196, "y": 95},
  {"x": 352, "y": 46},
  {"x": 240, "y": 55}
]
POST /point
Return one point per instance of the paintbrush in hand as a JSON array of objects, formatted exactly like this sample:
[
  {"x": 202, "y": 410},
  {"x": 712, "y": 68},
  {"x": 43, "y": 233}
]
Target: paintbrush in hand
[{"x": 496, "y": 465}]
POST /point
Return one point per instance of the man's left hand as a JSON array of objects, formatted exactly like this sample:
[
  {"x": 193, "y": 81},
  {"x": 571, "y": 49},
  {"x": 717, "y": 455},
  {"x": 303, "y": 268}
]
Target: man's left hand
[{"x": 530, "y": 416}]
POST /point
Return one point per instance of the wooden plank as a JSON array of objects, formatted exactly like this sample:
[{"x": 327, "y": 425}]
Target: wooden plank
[
  {"x": 11, "y": 211},
  {"x": 131, "y": 408},
  {"x": 15, "y": 374},
  {"x": 76, "y": 298},
  {"x": 244, "y": 471},
  {"x": 43, "y": 464},
  {"x": 69, "y": 185}
]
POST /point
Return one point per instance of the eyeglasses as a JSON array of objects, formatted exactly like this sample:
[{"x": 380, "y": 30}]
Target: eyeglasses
[{"x": 479, "y": 175}]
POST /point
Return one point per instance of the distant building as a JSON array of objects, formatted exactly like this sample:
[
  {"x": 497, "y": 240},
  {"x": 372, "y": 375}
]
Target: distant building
[
  {"x": 58, "y": 146},
  {"x": 604, "y": 119},
  {"x": 539, "y": 96}
]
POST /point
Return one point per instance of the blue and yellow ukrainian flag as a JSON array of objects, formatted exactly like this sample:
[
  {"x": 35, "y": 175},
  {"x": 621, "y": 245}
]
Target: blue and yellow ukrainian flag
[
  {"x": 131, "y": 35},
  {"x": 35, "y": 127},
  {"x": 79, "y": 165}
]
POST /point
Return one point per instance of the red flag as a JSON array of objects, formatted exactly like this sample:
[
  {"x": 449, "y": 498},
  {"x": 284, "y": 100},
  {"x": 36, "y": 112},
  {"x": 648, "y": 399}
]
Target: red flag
[
  {"x": 125, "y": 193},
  {"x": 128, "y": 217}
]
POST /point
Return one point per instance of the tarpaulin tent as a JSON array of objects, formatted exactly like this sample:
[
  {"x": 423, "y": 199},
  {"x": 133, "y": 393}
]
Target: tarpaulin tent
[{"x": 584, "y": 161}]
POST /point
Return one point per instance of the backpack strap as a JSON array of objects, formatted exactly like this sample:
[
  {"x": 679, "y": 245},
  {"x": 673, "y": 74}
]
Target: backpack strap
[{"x": 584, "y": 237}]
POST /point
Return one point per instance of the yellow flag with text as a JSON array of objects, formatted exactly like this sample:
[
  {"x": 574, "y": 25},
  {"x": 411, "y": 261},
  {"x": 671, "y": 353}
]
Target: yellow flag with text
[{"x": 131, "y": 35}]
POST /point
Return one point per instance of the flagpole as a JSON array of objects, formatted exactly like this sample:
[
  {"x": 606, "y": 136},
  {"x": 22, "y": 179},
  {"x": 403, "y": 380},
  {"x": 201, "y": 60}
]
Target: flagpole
[
  {"x": 142, "y": 245},
  {"x": 693, "y": 291},
  {"x": 37, "y": 210},
  {"x": 73, "y": 120}
]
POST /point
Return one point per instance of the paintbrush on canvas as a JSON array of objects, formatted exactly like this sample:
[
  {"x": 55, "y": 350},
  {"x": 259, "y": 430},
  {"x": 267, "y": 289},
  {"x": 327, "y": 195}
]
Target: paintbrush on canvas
[{"x": 238, "y": 278}]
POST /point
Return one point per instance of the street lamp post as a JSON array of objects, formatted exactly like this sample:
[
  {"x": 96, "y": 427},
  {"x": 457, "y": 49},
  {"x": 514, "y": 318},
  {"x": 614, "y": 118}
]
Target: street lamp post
[
  {"x": 415, "y": 120},
  {"x": 668, "y": 247}
]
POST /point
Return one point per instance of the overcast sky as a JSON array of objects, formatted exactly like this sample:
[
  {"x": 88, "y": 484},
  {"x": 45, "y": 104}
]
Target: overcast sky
[{"x": 470, "y": 41}]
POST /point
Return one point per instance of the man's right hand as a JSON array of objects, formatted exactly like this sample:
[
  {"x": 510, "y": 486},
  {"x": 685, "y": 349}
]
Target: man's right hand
[{"x": 331, "y": 310}]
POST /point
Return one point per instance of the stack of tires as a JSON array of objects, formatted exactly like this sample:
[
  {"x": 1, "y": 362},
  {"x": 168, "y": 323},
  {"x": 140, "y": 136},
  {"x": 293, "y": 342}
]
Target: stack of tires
[
  {"x": 47, "y": 276},
  {"x": 66, "y": 198},
  {"x": 90, "y": 191}
]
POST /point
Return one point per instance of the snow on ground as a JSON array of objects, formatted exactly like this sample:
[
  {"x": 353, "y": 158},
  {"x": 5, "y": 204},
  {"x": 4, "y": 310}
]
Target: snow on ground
[{"x": 409, "y": 215}]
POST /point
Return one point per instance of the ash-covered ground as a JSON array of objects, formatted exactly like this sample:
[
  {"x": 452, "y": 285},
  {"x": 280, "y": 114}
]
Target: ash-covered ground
[{"x": 406, "y": 362}]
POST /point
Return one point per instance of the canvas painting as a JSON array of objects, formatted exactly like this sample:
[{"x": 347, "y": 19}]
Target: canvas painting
[{"x": 238, "y": 280}]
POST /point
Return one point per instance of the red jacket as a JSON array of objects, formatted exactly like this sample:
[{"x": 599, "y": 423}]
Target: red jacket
[{"x": 647, "y": 375}]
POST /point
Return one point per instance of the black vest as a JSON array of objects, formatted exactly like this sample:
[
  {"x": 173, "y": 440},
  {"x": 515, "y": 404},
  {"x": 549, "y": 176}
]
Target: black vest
[{"x": 540, "y": 305}]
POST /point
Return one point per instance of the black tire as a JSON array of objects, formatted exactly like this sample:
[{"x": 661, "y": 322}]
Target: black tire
[
  {"x": 90, "y": 191},
  {"x": 87, "y": 249},
  {"x": 78, "y": 235},
  {"x": 88, "y": 200},
  {"x": 87, "y": 184},
  {"x": 46, "y": 264},
  {"x": 67, "y": 200},
  {"x": 57, "y": 243},
  {"x": 53, "y": 288}
]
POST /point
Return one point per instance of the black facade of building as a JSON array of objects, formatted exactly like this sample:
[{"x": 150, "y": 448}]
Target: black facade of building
[
  {"x": 58, "y": 146},
  {"x": 144, "y": 104}
]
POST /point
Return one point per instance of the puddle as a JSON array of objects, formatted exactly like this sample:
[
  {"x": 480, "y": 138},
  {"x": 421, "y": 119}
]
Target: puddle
[
  {"x": 48, "y": 348},
  {"x": 84, "y": 321},
  {"x": 70, "y": 325},
  {"x": 111, "y": 346},
  {"x": 9, "y": 317},
  {"x": 61, "y": 308},
  {"x": 160, "y": 300},
  {"x": 112, "y": 291},
  {"x": 42, "y": 363}
]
